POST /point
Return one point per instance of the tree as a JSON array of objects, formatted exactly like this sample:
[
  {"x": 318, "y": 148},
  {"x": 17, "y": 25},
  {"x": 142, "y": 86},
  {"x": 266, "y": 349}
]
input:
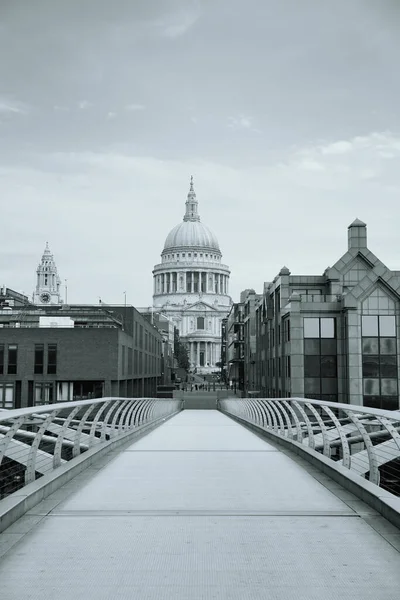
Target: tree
[{"x": 180, "y": 352}]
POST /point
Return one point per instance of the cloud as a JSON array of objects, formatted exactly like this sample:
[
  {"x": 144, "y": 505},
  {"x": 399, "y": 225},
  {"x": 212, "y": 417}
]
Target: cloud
[
  {"x": 342, "y": 147},
  {"x": 84, "y": 104},
  {"x": 12, "y": 107},
  {"x": 134, "y": 107},
  {"x": 240, "y": 122},
  {"x": 179, "y": 24},
  {"x": 111, "y": 115}
]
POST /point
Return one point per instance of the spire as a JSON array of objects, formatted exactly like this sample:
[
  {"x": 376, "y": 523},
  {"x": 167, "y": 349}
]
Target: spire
[{"x": 191, "y": 204}]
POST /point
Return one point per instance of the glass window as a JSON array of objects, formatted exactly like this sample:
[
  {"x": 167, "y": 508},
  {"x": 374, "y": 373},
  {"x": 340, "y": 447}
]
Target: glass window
[
  {"x": 39, "y": 359},
  {"x": 327, "y": 328},
  {"x": 370, "y": 346},
  {"x": 52, "y": 359},
  {"x": 388, "y": 387},
  {"x": 328, "y": 346},
  {"x": 312, "y": 385},
  {"x": 312, "y": 346},
  {"x": 370, "y": 326},
  {"x": 387, "y": 326},
  {"x": 370, "y": 366},
  {"x": 43, "y": 393},
  {"x": 329, "y": 385},
  {"x": 388, "y": 366},
  {"x": 371, "y": 387},
  {"x": 311, "y": 328},
  {"x": 372, "y": 401},
  {"x": 390, "y": 402},
  {"x": 312, "y": 366},
  {"x": 200, "y": 322},
  {"x": 388, "y": 345},
  {"x": 328, "y": 366},
  {"x": 12, "y": 359},
  {"x": 7, "y": 395}
]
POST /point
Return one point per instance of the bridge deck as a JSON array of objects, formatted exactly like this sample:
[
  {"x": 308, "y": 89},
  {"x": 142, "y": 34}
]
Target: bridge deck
[{"x": 201, "y": 509}]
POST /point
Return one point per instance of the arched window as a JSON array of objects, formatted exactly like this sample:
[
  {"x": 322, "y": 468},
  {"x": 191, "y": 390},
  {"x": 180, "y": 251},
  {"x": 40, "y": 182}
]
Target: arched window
[{"x": 200, "y": 322}]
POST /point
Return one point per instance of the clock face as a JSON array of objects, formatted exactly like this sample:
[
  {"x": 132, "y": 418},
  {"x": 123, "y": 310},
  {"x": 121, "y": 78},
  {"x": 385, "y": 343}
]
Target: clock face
[{"x": 45, "y": 297}]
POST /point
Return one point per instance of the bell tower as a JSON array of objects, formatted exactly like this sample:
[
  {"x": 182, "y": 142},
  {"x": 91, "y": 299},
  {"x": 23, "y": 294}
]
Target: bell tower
[{"x": 47, "y": 281}]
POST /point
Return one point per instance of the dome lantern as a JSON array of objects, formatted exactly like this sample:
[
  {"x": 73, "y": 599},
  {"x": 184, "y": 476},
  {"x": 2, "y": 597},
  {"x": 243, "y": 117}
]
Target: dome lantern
[{"x": 191, "y": 234}]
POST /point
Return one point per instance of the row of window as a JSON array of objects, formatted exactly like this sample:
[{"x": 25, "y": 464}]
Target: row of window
[
  {"x": 144, "y": 339},
  {"x": 136, "y": 362},
  {"x": 9, "y": 359},
  {"x": 183, "y": 255}
]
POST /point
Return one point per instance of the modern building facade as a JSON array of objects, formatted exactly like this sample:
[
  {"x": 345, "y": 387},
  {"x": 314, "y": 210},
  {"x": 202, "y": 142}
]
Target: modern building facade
[
  {"x": 61, "y": 353},
  {"x": 191, "y": 286},
  {"x": 335, "y": 336}
]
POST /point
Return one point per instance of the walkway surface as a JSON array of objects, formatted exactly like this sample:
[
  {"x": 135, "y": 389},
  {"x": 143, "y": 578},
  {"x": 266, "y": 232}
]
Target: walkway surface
[{"x": 201, "y": 509}]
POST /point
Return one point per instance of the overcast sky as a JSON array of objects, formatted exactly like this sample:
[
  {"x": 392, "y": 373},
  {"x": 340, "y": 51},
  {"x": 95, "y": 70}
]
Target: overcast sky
[{"x": 286, "y": 112}]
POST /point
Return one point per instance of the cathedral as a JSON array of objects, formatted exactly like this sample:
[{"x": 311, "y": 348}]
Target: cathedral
[
  {"x": 47, "y": 281},
  {"x": 191, "y": 287}
]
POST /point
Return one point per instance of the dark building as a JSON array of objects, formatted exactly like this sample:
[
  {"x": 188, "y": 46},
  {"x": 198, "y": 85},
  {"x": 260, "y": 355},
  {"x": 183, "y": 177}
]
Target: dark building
[
  {"x": 62, "y": 353},
  {"x": 235, "y": 346}
]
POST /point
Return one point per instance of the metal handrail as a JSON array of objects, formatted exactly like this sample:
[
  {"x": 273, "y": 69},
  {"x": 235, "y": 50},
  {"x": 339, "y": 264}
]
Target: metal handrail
[
  {"x": 38, "y": 440},
  {"x": 364, "y": 440}
]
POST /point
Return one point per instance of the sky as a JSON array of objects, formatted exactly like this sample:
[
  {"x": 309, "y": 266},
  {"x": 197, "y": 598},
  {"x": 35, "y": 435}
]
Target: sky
[{"x": 285, "y": 112}]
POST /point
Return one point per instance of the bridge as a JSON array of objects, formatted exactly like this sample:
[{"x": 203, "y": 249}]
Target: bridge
[{"x": 253, "y": 499}]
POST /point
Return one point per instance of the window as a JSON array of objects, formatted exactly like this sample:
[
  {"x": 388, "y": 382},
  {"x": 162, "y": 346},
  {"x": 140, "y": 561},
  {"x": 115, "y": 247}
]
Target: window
[
  {"x": 1, "y": 359},
  {"x": 6, "y": 395},
  {"x": 320, "y": 359},
  {"x": 12, "y": 359},
  {"x": 39, "y": 359},
  {"x": 52, "y": 359},
  {"x": 43, "y": 393},
  {"x": 200, "y": 322},
  {"x": 379, "y": 362},
  {"x": 319, "y": 327}
]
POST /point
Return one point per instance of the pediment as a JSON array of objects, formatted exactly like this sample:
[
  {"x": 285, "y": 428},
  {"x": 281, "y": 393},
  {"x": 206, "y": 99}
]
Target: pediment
[{"x": 200, "y": 306}]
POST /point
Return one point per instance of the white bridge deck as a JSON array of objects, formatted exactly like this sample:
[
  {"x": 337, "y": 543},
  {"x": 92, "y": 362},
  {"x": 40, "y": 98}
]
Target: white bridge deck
[{"x": 201, "y": 509}]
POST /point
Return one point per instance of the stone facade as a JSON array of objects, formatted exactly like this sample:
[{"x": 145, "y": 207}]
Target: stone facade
[
  {"x": 191, "y": 287},
  {"x": 47, "y": 281},
  {"x": 332, "y": 337}
]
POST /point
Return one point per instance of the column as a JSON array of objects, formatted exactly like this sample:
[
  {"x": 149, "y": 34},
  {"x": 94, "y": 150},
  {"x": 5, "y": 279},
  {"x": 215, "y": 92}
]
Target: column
[
  {"x": 184, "y": 281},
  {"x": 192, "y": 286},
  {"x": 205, "y": 354},
  {"x": 198, "y": 355}
]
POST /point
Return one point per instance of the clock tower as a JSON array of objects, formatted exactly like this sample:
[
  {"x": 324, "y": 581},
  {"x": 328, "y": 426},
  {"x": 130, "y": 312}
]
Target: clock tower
[{"x": 47, "y": 281}]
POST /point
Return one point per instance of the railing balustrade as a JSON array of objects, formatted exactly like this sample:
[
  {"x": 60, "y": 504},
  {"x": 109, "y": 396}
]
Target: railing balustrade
[
  {"x": 35, "y": 441},
  {"x": 363, "y": 440}
]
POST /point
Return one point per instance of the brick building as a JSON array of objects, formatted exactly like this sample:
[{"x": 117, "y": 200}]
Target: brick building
[{"x": 62, "y": 353}]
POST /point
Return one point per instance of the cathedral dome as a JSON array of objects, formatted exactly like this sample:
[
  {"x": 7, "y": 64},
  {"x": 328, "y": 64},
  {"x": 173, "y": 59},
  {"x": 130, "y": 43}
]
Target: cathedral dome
[{"x": 191, "y": 234}]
